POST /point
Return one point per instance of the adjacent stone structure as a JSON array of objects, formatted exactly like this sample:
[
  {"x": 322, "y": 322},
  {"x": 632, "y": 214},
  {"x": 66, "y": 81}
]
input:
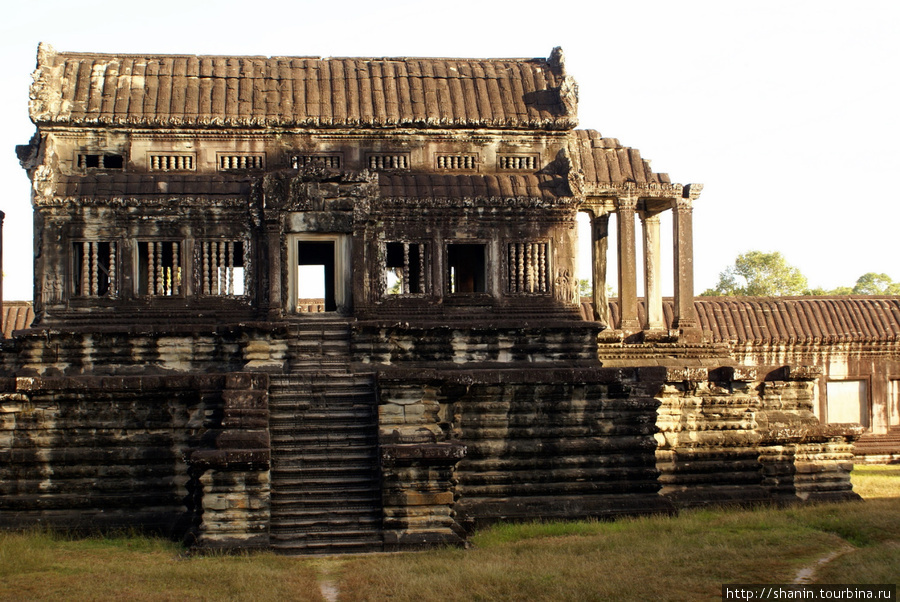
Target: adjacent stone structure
[{"x": 181, "y": 374}]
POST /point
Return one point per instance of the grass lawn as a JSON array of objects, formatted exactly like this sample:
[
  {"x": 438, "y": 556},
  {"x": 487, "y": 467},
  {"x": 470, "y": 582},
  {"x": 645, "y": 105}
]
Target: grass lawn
[{"x": 687, "y": 557}]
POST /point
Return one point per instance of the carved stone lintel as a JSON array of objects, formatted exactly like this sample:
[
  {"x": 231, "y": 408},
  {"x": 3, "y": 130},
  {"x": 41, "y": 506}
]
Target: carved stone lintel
[
  {"x": 675, "y": 375},
  {"x": 802, "y": 372},
  {"x": 692, "y": 191}
]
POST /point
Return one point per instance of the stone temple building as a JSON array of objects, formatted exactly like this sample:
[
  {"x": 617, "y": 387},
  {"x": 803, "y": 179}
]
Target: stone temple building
[{"x": 330, "y": 305}]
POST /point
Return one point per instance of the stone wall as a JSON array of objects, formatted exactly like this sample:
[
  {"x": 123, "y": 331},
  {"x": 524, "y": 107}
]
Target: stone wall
[
  {"x": 185, "y": 456},
  {"x": 88, "y": 453}
]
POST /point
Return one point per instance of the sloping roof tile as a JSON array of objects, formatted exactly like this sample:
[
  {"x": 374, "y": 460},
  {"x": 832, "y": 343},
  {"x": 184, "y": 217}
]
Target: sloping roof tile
[
  {"x": 132, "y": 184},
  {"x": 423, "y": 185},
  {"x": 16, "y": 316},
  {"x": 814, "y": 319},
  {"x": 606, "y": 162},
  {"x": 212, "y": 91}
]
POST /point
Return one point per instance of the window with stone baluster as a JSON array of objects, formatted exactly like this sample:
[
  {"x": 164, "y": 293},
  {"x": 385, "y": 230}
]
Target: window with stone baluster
[
  {"x": 406, "y": 268},
  {"x": 160, "y": 268},
  {"x": 528, "y": 266},
  {"x": 221, "y": 265},
  {"x": 94, "y": 268}
]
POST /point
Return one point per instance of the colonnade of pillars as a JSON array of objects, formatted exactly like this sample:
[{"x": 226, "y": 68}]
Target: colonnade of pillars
[{"x": 626, "y": 208}]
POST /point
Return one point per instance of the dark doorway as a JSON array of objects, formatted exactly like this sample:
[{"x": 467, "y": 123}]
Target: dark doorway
[
  {"x": 466, "y": 268},
  {"x": 315, "y": 272}
]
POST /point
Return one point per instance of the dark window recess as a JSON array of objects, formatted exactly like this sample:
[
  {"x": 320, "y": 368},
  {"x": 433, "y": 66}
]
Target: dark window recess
[
  {"x": 100, "y": 161},
  {"x": 466, "y": 268},
  {"x": 159, "y": 268},
  {"x": 405, "y": 272},
  {"x": 94, "y": 269}
]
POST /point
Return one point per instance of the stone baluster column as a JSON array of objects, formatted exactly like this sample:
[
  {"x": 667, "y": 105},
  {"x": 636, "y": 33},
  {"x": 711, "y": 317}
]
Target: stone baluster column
[
  {"x": 652, "y": 272},
  {"x": 599, "y": 247},
  {"x": 685, "y": 319},
  {"x": 628, "y": 307}
]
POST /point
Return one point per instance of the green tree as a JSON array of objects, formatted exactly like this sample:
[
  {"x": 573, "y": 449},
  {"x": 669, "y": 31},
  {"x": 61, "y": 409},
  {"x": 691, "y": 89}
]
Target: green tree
[
  {"x": 584, "y": 288},
  {"x": 876, "y": 284},
  {"x": 760, "y": 274},
  {"x": 841, "y": 290}
]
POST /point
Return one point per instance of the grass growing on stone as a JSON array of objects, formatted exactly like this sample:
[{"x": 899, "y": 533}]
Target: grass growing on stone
[{"x": 686, "y": 557}]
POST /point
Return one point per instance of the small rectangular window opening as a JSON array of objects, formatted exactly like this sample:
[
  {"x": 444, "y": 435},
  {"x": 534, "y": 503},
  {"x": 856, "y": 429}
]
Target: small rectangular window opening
[
  {"x": 94, "y": 269},
  {"x": 159, "y": 268},
  {"x": 405, "y": 272},
  {"x": 100, "y": 161},
  {"x": 222, "y": 267},
  {"x": 466, "y": 268},
  {"x": 528, "y": 267}
]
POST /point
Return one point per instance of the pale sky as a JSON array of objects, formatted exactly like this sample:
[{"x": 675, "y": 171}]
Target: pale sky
[{"x": 785, "y": 110}]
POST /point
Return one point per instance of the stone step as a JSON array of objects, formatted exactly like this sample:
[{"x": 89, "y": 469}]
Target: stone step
[
  {"x": 345, "y": 455},
  {"x": 344, "y": 414},
  {"x": 296, "y": 480},
  {"x": 303, "y": 426},
  {"x": 292, "y": 441},
  {"x": 324, "y": 499},
  {"x": 326, "y": 483},
  {"x": 289, "y": 507},
  {"x": 360, "y": 544}
]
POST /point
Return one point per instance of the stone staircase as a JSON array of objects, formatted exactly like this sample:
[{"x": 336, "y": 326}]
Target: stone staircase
[
  {"x": 879, "y": 448},
  {"x": 326, "y": 489}
]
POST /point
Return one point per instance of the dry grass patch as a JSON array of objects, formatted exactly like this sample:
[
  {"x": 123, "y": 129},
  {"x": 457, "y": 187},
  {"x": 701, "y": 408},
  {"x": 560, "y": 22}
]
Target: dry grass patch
[
  {"x": 48, "y": 567},
  {"x": 876, "y": 480},
  {"x": 686, "y": 557}
]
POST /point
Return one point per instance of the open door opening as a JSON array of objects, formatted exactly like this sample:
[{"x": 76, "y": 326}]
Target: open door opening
[{"x": 316, "y": 276}]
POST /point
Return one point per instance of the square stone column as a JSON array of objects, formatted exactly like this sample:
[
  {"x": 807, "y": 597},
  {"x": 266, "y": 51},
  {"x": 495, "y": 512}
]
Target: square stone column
[
  {"x": 685, "y": 319},
  {"x": 652, "y": 272},
  {"x": 599, "y": 247},
  {"x": 274, "y": 301},
  {"x": 628, "y": 306}
]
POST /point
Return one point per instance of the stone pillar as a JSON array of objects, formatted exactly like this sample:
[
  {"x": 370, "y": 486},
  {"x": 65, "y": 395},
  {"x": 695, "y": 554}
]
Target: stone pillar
[
  {"x": 273, "y": 242},
  {"x": 628, "y": 307},
  {"x": 652, "y": 272},
  {"x": 685, "y": 320},
  {"x": 599, "y": 247}
]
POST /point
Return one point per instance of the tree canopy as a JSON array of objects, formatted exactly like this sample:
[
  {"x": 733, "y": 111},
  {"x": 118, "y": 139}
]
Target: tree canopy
[
  {"x": 876, "y": 284},
  {"x": 756, "y": 273}
]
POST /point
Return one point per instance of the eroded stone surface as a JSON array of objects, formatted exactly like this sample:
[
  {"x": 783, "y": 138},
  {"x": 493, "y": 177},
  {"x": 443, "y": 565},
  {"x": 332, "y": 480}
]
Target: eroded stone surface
[{"x": 180, "y": 377}]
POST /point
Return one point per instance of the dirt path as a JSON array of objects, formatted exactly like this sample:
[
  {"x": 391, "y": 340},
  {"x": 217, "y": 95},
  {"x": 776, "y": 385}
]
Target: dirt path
[{"x": 806, "y": 574}]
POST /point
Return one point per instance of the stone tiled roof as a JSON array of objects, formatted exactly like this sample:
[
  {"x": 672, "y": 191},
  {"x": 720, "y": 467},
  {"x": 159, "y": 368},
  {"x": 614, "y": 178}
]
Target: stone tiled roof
[
  {"x": 16, "y": 315},
  {"x": 132, "y": 184},
  {"x": 604, "y": 161},
  {"x": 472, "y": 185},
  {"x": 217, "y": 91},
  {"x": 814, "y": 319}
]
